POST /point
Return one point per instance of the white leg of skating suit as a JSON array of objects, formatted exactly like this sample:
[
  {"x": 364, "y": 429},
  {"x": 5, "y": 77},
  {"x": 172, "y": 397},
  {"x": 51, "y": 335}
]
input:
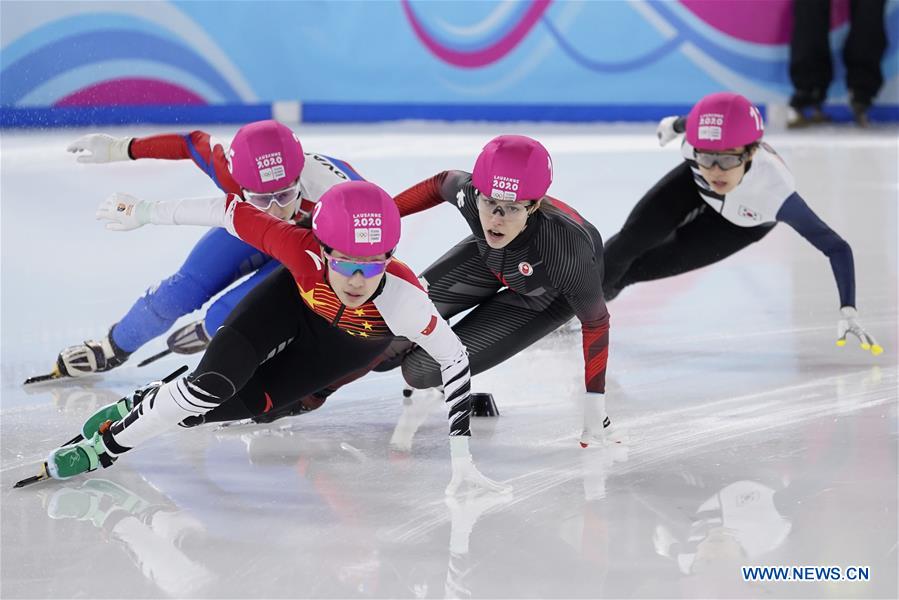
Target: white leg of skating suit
[{"x": 171, "y": 404}]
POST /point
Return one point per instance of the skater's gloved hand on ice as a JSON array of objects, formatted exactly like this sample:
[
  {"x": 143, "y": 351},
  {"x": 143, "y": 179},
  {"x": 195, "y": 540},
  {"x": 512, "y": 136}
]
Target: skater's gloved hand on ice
[
  {"x": 100, "y": 148},
  {"x": 669, "y": 128},
  {"x": 464, "y": 471},
  {"x": 848, "y": 323},
  {"x": 124, "y": 212},
  {"x": 598, "y": 428}
]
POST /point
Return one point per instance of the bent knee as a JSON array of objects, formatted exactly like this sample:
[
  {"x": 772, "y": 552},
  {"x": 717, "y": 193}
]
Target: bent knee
[{"x": 421, "y": 371}]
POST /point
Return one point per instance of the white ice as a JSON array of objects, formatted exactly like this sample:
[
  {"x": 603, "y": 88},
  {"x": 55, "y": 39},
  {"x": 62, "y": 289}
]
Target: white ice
[{"x": 754, "y": 439}]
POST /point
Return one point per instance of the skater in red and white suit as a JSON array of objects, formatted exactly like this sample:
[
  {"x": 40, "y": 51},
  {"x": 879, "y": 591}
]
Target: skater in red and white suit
[{"x": 336, "y": 304}]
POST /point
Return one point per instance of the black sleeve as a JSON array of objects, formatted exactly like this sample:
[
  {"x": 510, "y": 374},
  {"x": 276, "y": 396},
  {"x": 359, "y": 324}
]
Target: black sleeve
[{"x": 575, "y": 265}]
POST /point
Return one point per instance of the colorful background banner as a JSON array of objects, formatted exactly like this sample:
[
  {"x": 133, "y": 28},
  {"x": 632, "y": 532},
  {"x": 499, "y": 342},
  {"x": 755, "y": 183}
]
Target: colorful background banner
[{"x": 106, "y": 62}]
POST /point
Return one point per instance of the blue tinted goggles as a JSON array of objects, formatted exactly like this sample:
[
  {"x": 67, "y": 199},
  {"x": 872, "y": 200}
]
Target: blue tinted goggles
[{"x": 348, "y": 268}]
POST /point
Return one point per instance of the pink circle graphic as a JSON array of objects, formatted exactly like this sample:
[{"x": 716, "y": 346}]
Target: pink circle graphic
[
  {"x": 131, "y": 92},
  {"x": 478, "y": 58}
]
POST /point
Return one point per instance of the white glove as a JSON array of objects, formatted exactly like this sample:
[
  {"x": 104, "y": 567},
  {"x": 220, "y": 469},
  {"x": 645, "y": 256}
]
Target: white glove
[
  {"x": 465, "y": 471},
  {"x": 598, "y": 428},
  {"x": 849, "y": 324},
  {"x": 102, "y": 148},
  {"x": 124, "y": 212},
  {"x": 665, "y": 131}
]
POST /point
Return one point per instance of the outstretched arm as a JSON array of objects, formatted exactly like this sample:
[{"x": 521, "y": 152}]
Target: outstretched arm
[
  {"x": 578, "y": 274},
  {"x": 103, "y": 148},
  {"x": 444, "y": 346},
  {"x": 426, "y": 194},
  {"x": 410, "y": 313},
  {"x": 197, "y": 145},
  {"x": 797, "y": 214},
  {"x": 277, "y": 238},
  {"x": 124, "y": 212},
  {"x": 585, "y": 296}
]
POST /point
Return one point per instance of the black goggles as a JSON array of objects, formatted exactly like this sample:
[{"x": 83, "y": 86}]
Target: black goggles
[{"x": 725, "y": 162}]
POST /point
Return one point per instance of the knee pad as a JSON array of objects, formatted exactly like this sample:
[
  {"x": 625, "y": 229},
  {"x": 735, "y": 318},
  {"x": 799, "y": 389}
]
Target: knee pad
[
  {"x": 216, "y": 385},
  {"x": 228, "y": 362}
]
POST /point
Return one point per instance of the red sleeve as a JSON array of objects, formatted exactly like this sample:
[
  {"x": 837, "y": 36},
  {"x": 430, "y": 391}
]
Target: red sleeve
[
  {"x": 168, "y": 146},
  {"x": 596, "y": 354},
  {"x": 279, "y": 239},
  {"x": 197, "y": 146},
  {"x": 421, "y": 196}
]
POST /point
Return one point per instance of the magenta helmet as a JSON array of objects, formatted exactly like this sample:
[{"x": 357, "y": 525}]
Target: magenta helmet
[
  {"x": 265, "y": 156},
  {"x": 357, "y": 218},
  {"x": 513, "y": 167},
  {"x": 722, "y": 121}
]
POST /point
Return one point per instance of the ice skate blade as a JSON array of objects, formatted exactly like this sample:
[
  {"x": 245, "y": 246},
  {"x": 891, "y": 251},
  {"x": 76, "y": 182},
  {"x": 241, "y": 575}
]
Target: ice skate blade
[{"x": 42, "y": 476}]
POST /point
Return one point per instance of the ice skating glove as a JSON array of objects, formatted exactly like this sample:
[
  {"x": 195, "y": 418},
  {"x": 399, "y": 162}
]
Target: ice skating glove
[
  {"x": 598, "y": 428},
  {"x": 100, "y": 148},
  {"x": 666, "y": 131},
  {"x": 849, "y": 324},
  {"x": 90, "y": 357},
  {"x": 124, "y": 212},
  {"x": 464, "y": 471}
]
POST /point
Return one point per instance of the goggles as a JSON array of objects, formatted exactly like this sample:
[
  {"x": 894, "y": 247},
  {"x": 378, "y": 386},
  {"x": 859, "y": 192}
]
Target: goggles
[
  {"x": 282, "y": 197},
  {"x": 505, "y": 207},
  {"x": 725, "y": 162},
  {"x": 348, "y": 268}
]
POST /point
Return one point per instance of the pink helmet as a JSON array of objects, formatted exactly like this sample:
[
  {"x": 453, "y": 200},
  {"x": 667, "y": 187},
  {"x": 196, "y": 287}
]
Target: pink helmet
[
  {"x": 722, "y": 121},
  {"x": 265, "y": 156},
  {"x": 357, "y": 218},
  {"x": 513, "y": 167}
]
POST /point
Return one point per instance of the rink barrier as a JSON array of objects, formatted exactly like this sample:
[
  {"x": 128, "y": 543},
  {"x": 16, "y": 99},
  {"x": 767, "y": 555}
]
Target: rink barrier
[{"x": 334, "y": 112}]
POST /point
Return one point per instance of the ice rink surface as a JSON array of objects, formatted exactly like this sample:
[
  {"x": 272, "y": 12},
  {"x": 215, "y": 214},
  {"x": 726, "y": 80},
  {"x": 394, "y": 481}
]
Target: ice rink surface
[{"x": 754, "y": 440}]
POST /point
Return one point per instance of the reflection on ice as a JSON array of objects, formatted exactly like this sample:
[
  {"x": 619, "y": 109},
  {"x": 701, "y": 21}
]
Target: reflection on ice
[{"x": 153, "y": 533}]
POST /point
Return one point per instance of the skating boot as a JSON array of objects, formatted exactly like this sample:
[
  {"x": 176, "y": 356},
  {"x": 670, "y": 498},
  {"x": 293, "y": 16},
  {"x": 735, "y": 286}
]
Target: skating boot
[
  {"x": 117, "y": 410},
  {"x": 81, "y": 457}
]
